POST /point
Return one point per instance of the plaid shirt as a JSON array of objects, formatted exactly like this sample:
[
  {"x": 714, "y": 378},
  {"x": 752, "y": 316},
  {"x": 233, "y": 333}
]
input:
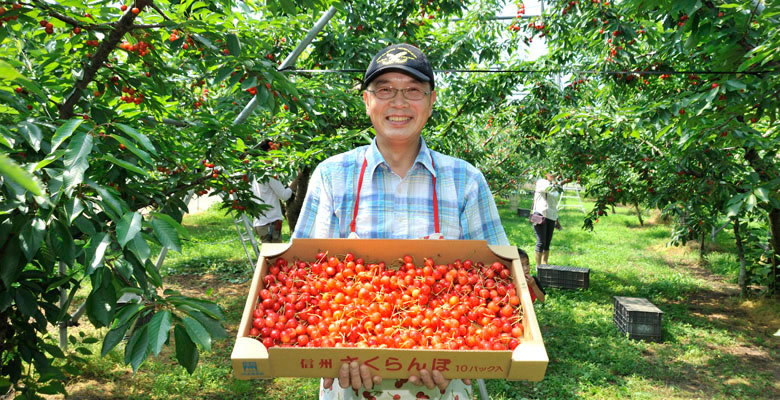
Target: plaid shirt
[{"x": 395, "y": 208}]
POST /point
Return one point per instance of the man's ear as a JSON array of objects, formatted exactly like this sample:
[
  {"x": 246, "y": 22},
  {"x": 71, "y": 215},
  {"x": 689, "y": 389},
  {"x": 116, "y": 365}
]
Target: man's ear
[
  {"x": 365, "y": 100},
  {"x": 433, "y": 100}
]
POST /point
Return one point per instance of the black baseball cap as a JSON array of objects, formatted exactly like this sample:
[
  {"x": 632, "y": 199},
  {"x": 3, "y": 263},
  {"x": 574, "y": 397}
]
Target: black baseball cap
[{"x": 403, "y": 58}]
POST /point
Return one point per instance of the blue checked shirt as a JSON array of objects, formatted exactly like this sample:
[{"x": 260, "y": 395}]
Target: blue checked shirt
[{"x": 395, "y": 208}]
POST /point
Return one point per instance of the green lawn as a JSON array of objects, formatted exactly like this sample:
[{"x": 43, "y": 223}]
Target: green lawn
[{"x": 715, "y": 345}]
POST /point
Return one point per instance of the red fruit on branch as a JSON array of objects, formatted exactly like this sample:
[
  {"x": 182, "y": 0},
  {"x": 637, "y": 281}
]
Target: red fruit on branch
[
  {"x": 135, "y": 10},
  {"x": 123, "y": 7}
]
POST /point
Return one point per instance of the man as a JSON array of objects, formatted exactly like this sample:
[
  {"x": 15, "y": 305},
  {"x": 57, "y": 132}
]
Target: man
[
  {"x": 268, "y": 226},
  {"x": 397, "y": 188}
]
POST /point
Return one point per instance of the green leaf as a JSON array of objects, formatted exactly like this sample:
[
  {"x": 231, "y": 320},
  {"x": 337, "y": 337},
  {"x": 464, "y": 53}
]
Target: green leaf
[
  {"x": 49, "y": 159},
  {"x": 736, "y": 85},
  {"x": 205, "y": 42},
  {"x": 12, "y": 171},
  {"x": 127, "y": 313},
  {"x": 64, "y": 132},
  {"x": 126, "y": 165},
  {"x": 31, "y": 237},
  {"x": 186, "y": 351},
  {"x": 209, "y": 308},
  {"x": 113, "y": 338},
  {"x": 137, "y": 348},
  {"x": 26, "y": 301},
  {"x": 138, "y": 137},
  {"x": 77, "y": 159},
  {"x": 172, "y": 222},
  {"x": 113, "y": 205},
  {"x": 8, "y": 72},
  {"x": 96, "y": 251},
  {"x": 73, "y": 208},
  {"x": 213, "y": 326},
  {"x": 223, "y": 73},
  {"x": 197, "y": 332},
  {"x": 762, "y": 194},
  {"x": 144, "y": 156},
  {"x": 100, "y": 305},
  {"x": 159, "y": 329},
  {"x": 62, "y": 242},
  {"x": 140, "y": 248},
  {"x": 166, "y": 234},
  {"x": 288, "y": 6},
  {"x": 153, "y": 273},
  {"x": 31, "y": 134},
  {"x": 233, "y": 44},
  {"x": 128, "y": 227}
]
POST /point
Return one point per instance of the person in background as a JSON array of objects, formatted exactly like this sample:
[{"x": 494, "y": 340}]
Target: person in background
[
  {"x": 535, "y": 288},
  {"x": 398, "y": 188},
  {"x": 268, "y": 226},
  {"x": 546, "y": 197}
]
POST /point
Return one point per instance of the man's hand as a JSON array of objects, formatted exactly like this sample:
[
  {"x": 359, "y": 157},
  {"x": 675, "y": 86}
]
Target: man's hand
[
  {"x": 432, "y": 380},
  {"x": 354, "y": 375}
]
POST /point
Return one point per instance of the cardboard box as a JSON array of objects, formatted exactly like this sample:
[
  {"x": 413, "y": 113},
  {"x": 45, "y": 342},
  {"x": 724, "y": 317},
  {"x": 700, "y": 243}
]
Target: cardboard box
[{"x": 252, "y": 360}]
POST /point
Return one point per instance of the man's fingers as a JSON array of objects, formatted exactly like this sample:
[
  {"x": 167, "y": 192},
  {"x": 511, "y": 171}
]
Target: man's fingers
[
  {"x": 327, "y": 383},
  {"x": 365, "y": 377},
  {"x": 427, "y": 380},
  {"x": 439, "y": 380},
  {"x": 344, "y": 376},
  {"x": 467, "y": 382},
  {"x": 376, "y": 379},
  {"x": 354, "y": 375}
]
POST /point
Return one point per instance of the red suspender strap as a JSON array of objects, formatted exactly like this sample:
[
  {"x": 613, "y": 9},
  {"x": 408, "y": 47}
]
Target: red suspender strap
[
  {"x": 435, "y": 200},
  {"x": 357, "y": 195}
]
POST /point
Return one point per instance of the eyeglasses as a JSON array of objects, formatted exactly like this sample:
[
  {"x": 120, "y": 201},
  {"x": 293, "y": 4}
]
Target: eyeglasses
[{"x": 387, "y": 93}]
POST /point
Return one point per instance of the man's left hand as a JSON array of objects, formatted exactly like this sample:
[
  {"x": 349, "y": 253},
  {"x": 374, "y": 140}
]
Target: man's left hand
[{"x": 432, "y": 380}]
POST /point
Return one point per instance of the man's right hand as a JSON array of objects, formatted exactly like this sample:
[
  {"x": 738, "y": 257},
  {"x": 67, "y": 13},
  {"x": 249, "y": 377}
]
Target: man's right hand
[{"x": 353, "y": 375}]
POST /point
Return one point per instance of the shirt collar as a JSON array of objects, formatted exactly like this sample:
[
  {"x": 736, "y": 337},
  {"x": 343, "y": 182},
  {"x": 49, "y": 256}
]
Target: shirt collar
[{"x": 374, "y": 158}]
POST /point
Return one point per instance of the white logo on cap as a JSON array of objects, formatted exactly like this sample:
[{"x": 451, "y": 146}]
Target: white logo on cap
[{"x": 400, "y": 56}]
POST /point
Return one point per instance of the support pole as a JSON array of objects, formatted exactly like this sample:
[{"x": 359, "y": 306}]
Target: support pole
[{"x": 289, "y": 61}]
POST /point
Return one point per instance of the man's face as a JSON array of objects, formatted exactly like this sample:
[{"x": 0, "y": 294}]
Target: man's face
[{"x": 398, "y": 119}]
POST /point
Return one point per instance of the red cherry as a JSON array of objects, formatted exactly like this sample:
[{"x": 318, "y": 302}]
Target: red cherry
[{"x": 123, "y": 7}]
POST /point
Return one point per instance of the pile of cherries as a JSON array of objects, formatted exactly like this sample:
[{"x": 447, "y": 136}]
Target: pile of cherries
[{"x": 346, "y": 302}]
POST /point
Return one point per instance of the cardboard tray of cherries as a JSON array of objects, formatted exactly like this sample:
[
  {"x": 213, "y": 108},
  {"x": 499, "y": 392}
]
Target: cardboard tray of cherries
[{"x": 458, "y": 306}]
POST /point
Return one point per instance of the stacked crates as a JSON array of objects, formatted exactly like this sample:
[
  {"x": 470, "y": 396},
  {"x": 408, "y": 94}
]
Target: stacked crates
[{"x": 638, "y": 318}]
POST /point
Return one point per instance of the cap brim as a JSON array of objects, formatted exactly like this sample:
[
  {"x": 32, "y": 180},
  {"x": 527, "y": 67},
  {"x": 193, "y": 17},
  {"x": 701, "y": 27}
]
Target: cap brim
[{"x": 400, "y": 68}]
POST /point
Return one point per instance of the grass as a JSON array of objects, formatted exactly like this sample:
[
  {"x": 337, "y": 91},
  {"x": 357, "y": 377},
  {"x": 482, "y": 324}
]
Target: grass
[{"x": 715, "y": 344}]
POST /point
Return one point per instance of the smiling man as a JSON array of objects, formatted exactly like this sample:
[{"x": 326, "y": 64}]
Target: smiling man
[{"x": 398, "y": 188}]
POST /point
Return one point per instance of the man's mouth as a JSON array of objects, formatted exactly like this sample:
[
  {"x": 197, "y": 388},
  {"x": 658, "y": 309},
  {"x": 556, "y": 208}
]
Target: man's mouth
[{"x": 399, "y": 119}]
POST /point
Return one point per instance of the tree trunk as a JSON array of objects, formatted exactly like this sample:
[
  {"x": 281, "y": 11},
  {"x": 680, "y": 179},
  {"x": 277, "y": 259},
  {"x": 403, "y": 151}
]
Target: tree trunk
[
  {"x": 741, "y": 255},
  {"x": 774, "y": 230},
  {"x": 295, "y": 204},
  {"x": 639, "y": 214}
]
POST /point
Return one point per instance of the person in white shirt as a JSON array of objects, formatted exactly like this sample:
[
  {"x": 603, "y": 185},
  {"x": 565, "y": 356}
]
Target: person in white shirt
[
  {"x": 268, "y": 226},
  {"x": 546, "y": 196}
]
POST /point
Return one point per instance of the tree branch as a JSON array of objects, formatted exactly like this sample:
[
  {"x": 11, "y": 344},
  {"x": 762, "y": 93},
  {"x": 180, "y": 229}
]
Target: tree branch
[
  {"x": 72, "y": 21},
  {"x": 121, "y": 27}
]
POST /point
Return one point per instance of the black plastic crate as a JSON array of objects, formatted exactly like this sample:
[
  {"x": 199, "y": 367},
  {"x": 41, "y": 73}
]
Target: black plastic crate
[
  {"x": 523, "y": 212},
  {"x": 638, "y": 317},
  {"x": 558, "y": 276}
]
